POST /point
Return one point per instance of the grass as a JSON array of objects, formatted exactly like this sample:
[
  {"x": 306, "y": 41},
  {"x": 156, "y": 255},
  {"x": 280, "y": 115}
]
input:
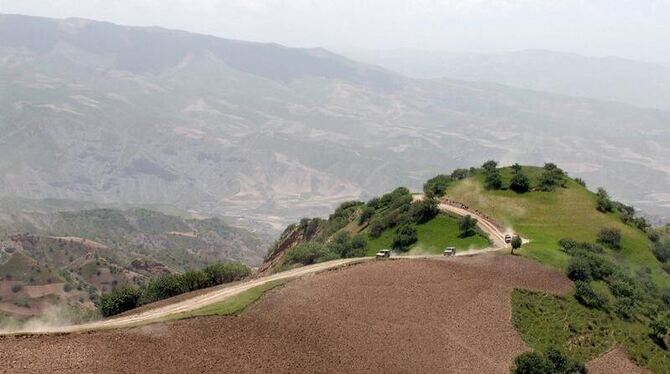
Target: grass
[
  {"x": 546, "y": 217},
  {"x": 555, "y": 321},
  {"x": 233, "y": 305},
  {"x": 434, "y": 236}
]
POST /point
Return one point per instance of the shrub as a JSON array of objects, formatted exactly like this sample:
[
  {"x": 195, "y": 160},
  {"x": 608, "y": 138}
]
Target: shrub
[
  {"x": 118, "y": 301},
  {"x": 376, "y": 227},
  {"x": 551, "y": 177},
  {"x": 567, "y": 244},
  {"x": 467, "y": 225},
  {"x": 581, "y": 182},
  {"x": 588, "y": 296},
  {"x": 460, "y": 174},
  {"x": 661, "y": 250},
  {"x": 405, "y": 236},
  {"x": 309, "y": 253},
  {"x": 366, "y": 213},
  {"x": 161, "y": 288},
  {"x": 16, "y": 288},
  {"x": 516, "y": 242},
  {"x": 225, "y": 272},
  {"x": 424, "y": 211},
  {"x": 553, "y": 362},
  {"x": 659, "y": 332},
  {"x": 437, "y": 186},
  {"x": 492, "y": 180},
  {"x": 603, "y": 202},
  {"x": 195, "y": 280},
  {"x": 579, "y": 269},
  {"x": 357, "y": 246},
  {"x": 610, "y": 237},
  {"x": 490, "y": 166},
  {"x": 520, "y": 183}
]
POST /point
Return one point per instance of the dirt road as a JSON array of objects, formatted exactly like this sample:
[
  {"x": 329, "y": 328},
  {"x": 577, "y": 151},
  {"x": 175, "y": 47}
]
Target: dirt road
[{"x": 419, "y": 316}]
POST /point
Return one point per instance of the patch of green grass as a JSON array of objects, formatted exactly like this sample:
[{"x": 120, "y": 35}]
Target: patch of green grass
[
  {"x": 434, "y": 236},
  {"x": 233, "y": 305},
  {"x": 554, "y": 321},
  {"x": 546, "y": 217}
]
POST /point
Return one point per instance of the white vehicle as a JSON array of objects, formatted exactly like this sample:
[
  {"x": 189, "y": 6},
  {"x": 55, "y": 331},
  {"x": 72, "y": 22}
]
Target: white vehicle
[
  {"x": 450, "y": 251},
  {"x": 508, "y": 238},
  {"x": 384, "y": 253}
]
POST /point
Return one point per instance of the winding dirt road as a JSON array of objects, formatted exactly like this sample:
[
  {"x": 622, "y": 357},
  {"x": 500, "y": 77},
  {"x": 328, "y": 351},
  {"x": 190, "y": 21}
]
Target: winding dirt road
[{"x": 496, "y": 235}]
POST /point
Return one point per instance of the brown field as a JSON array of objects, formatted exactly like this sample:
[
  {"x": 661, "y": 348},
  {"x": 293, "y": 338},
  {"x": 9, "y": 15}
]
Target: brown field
[
  {"x": 614, "y": 361},
  {"x": 390, "y": 316}
]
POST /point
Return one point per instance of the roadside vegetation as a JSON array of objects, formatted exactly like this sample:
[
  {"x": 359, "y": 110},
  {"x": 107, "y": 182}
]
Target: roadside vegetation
[{"x": 125, "y": 298}]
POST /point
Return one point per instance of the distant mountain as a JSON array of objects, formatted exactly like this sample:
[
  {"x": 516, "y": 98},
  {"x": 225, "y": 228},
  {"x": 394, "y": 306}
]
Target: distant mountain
[
  {"x": 70, "y": 257},
  {"x": 604, "y": 78},
  {"x": 98, "y": 112}
]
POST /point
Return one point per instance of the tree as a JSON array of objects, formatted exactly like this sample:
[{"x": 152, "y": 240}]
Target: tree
[
  {"x": 516, "y": 243},
  {"x": 588, "y": 296},
  {"x": 579, "y": 269},
  {"x": 460, "y": 174},
  {"x": 118, "y": 301},
  {"x": 530, "y": 363},
  {"x": 493, "y": 180},
  {"x": 309, "y": 253},
  {"x": 551, "y": 177},
  {"x": 366, "y": 213},
  {"x": 405, "y": 236},
  {"x": 467, "y": 225},
  {"x": 424, "y": 211},
  {"x": 519, "y": 183},
  {"x": 610, "y": 237},
  {"x": 437, "y": 186},
  {"x": 516, "y": 168},
  {"x": 603, "y": 202},
  {"x": 490, "y": 165}
]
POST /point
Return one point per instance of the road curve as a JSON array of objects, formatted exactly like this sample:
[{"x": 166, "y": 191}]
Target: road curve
[{"x": 496, "y": 235}]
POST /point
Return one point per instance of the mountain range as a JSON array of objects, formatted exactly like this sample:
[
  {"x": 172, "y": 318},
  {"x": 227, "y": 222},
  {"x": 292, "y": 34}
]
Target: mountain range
[{"x": 99, "y": 112}]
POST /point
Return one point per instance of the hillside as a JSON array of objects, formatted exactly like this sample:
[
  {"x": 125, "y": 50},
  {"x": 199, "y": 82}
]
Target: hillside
[
  {"x": 628, "y": 81},
  {"x": 67, "y": 259},
  {"x": 113, "y": 114},
  {"x": 619, "y": 263}
]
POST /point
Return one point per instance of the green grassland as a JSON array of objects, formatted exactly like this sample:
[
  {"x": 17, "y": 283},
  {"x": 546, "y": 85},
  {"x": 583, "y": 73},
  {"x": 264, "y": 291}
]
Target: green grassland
[
  {"x": 233, "y": 305},
  {"x": 553, "y": 321},
  {"x": 433, "y": 237},
  {"x": 546, "y": 217}
]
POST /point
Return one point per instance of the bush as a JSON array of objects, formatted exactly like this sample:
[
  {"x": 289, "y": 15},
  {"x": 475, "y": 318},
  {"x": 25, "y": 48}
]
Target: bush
[
  {"x": 567, "y": 244},
  {"x": 581, "y": 182},
  {"x": 520, "y": 183},
  {"x": 553, "y": 362},
  {"x": 424, "y": 211},
  {"x": 552, "y": 177},
  {"x": 309, "y": 253},
  {"x": 661, "y": 250},
  {"x": 492, "y": 180},
  {"x": 16, "y": 288},
  {"x": 119, "y": 300},
  {"x": 659, "y": 332},
  {"x": 163, "y": 287},
  {"x": 579, "y": 269},
  {"x": 376, "y": 227},
  {"x": 610, "y": 237},
  {"x": 603, "y": 202},
  {"x": 366, "y": 213},
  {"x": 467, "y": 225},
  {"x": 405, "y": 236},
  {"x": 195, "y": 280},
  {"x": 437, "y": 186},
  {"x": 516, "y": 242},
  {"x": 225, "y": 272},
  {"x": 588, "y": 296},
  {"x": 460, "y": 174}
]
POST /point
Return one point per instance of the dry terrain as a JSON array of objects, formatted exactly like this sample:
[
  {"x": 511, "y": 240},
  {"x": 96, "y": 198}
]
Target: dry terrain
[
  {"x": 614, "y": 361},
  {"x": 390, "y": 316}
]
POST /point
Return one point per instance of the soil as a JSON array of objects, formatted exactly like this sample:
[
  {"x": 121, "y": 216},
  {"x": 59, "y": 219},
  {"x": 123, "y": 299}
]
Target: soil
[
  {"x": 614, "y": 361},
  {"x": 447, "y": 315}
]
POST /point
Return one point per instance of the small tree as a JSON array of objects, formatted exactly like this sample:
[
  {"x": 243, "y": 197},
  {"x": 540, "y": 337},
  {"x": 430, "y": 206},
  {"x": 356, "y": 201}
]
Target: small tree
[
  {"x": 424, "y": 211},
  {"x": 467, "y": 225},
  {"x": 603, "y": 202},
  {"x": 437, "y": 186},
  {"x": 516, "y": 243},
  {"x": 610, "y": 237},
  {"x": 404, "y": 237},
  {"x": 519, "y": 183}
]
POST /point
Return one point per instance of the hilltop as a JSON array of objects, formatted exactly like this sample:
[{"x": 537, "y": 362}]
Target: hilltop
[{"x": 619, "y": 263}]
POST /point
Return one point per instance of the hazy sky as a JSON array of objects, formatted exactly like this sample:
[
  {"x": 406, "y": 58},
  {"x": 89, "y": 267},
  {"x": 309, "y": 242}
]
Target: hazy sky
[{"x": 629, "y": 28}]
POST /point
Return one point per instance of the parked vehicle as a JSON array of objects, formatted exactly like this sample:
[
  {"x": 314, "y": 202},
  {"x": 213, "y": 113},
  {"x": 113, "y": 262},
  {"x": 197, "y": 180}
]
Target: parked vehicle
[
  {"x": 450, "y": 251},
  {"x": 384, "y": 253}
]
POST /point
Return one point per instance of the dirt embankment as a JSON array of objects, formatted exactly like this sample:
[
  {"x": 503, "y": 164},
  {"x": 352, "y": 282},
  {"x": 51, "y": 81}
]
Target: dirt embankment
[
  {"x": 450, "y": 315},
  {"x": 614, "y": 361}
]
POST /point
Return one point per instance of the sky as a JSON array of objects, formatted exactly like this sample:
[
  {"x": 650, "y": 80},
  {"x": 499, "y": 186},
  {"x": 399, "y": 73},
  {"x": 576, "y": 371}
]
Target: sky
[{"x": 636, "y": 29}]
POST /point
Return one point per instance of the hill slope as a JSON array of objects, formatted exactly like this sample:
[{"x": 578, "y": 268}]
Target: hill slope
[
  {"x": 107, "y": 113},
  {"x": 69, "y": 258}
]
